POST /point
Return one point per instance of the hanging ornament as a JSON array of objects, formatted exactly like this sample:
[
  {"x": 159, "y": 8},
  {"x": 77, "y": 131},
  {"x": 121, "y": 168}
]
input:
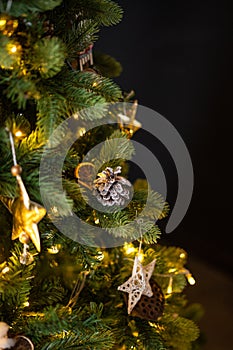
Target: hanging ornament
[
  {"x": 5, "y": 342},
  {"x": 138, "y": 284},
  {"x": 84, "y": 61},
  {"x": 85, "y": 174},
  {"x": 22, "y": 343},
  {"x": 149, "y": 308},
  {"x": 85, "y": 57},
  {"x": 25, "y": 258},
  {"x": 26, "y": 214},
  {"x": 127, "y": 122},
  {"x": 111, "y": 189}
]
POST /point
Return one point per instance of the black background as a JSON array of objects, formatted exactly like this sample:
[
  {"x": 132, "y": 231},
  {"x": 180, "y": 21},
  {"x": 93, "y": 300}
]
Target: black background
[{"x": 177, "y": 56}]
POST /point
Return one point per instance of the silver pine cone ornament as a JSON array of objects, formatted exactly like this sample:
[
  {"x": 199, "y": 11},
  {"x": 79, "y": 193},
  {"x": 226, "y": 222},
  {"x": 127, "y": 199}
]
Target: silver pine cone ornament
[{"x": 111, "y": 189}]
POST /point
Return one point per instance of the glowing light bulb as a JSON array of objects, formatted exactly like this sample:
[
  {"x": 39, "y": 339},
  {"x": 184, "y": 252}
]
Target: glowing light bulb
[
  {"x": 26, "y": 304},
  {"x": 19, "y": 133},
  {"x": 169, "y": 287},
  {"x": 54, "y": 249},
  {"x": 157, "y": 326},
  {"x": 190, "y": 279},
  {"x": 182, "y": 255},
  {"x": 171, "y": 270},
  {"x": 13, "y": 49},
  {"x": 54, "y": 210},
  {"x": 5, "y": 270},
  {"x": 2, "y": 23},
  {"x": 81, "y": 131},
  {"x": 94, "y": 84},
  {"x": 97, "y": 221},
  {"x": 140, "y": 257},
  {"x": 129, "y": 248}
]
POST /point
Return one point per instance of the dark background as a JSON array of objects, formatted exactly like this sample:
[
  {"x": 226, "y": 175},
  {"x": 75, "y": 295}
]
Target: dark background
[{"x": 177, "y": 56}]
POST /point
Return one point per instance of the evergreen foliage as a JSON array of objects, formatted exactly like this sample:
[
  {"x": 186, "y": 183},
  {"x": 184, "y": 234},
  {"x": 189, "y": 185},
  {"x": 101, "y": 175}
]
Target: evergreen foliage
[{"x": 67, "y": 298}]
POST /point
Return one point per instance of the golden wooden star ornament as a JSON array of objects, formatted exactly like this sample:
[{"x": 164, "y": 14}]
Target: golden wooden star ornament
[
  {"x": 138, "y": 284},
  {"x": 26, "y": 216}
]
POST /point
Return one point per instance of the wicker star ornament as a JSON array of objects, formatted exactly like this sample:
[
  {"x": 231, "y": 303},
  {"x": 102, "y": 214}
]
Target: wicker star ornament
[{"x": 138, "y": 284}]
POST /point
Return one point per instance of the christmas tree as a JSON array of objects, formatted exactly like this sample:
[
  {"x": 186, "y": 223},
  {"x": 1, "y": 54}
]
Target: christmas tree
[{"x": 103, "y": 281}]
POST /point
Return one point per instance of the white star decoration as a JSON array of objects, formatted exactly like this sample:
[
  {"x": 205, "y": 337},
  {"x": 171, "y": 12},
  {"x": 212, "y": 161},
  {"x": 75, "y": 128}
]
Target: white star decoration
[{"x": 138, "y": 283}]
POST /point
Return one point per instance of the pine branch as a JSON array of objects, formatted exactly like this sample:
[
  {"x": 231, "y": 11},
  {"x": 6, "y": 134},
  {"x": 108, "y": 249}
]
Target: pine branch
[
  {"x": 20, "y": 89},
  {"x": 107, "y": 65},
  {"x": 26, "y": 7},
  {"x": 7, "y": 60},
  {"x": 117, "y": 147},
  {"x": 46, "y": 292},
  {"x": 96, "y": 340},
  {"x": 104, "y": 12},
  {"x": 47, "y": 57},
  {"x": 60, "y": 329},
  {"x": 55, "y": 198},
  {"x": 118, "y": 224},
  {"x": 152, "y": 235},
  {"x": 79, "y": 36},
  {"x": 178, "y": 332},
  {"x": 148, "y": 336},
  {"x": 156, "y": 207},
  {"x": 81, "y": 100},
  {"x": 51, "y": 111},
  {"x": 48, "y": 323},
  {"x": 15, "y": 286},
  {"x": 97, "y": 84},
  {"x": 74, "y": 191}
]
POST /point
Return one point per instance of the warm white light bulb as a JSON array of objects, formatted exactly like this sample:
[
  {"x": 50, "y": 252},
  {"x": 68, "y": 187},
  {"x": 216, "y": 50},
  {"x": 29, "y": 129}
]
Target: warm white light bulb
[
  {"x": 5, "y": 270},
  {"x": 53, "y": 250},
  {"x": 190, "y": 279},
  {"x": 141, "y": 257},
  {"x": 169, "y": 287},
  {"x": 129, "y": 248},
  {"x": 2, "y": 23},
  {"x": 172, "y": 270},
  {"x": 81, "y": 132},
  {"x": 13, "y": 49},
  {"x": 18, "y": 133}
]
